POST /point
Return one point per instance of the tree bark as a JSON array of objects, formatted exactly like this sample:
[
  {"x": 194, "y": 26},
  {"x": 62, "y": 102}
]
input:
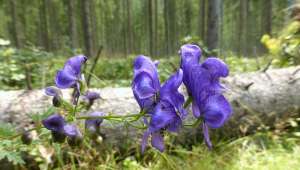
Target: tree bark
[
  {"x": 267, "y": 16},
  {"x": 14, "y": 24},
  {"x": 258, "y": 98},
  {"x": 86, "y": 26},
  {"x": 150, "y": 25},
  {"x": 202, "y": 17},
  {"x": 213, "y": 24},
  {"x": 72, "y": 24},
  {"x": 44, "y": 25}
]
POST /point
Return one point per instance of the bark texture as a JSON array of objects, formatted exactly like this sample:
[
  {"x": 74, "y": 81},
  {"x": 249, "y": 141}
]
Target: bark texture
[{"x": 257, "y": 98}]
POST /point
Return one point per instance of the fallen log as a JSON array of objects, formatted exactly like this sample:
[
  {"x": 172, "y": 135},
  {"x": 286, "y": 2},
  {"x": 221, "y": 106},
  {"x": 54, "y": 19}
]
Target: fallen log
[{"x": 258, "y": 98}]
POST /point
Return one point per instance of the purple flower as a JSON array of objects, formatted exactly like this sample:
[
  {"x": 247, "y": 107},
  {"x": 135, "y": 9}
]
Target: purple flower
[
  {"x": 70, "y": 76},
  {"x": 89, "y": 97},
  {"x": 93, "y": 125},
  {"x": 145, "y": 83},
  {"x": 163, "y": 103},
  {"x": 59, "y": 128},
  {"x": 202, "y": 83},
  {"x": 56, "y": 93},
  {"x": 54, "y": 123},
  {"x": 74, "y": 135},
  {"x": 190, "y": 56},
  {"x": 72, "y": 131}
]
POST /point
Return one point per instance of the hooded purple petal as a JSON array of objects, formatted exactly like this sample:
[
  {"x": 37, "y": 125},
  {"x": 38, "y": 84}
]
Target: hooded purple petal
[
  {"x": 145, "y": 83},
  {"x": 65, "y": 78},
  {"x": 190, "y": 56},
  {"x": 145, "y": 64},
  {"x": 93, "y": 125},
  {"x": 216, "y": 67},
  {"x": 216, "y": 111},
  {"x": 169, "y": 92},
  {"x": 53, "y": 91},
  {"x": 72, "y": 131},
  {"x": 157, "y": 141},
  {"x": 54, "y": 123},
  {"x": 75, "y": 63},
  {"x": 190, "y": 53},
  {"x": 201, "y": 85}
]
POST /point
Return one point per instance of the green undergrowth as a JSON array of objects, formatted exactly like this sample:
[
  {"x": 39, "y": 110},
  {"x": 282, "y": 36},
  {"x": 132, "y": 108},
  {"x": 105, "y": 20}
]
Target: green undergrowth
[
  {"x": 109, "y": 71},
  {"x": 261, "y": 151}
]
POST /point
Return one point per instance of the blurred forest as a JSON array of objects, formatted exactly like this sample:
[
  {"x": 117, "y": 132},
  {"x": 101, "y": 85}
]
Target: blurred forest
[{"x": 151, "y": 27}]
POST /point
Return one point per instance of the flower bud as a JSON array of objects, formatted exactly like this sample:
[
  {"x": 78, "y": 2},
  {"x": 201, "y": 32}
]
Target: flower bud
[{"x": 58, "y": 137}]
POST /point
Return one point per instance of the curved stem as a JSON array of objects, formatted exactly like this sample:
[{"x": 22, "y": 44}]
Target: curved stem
[{"x": 188, "y": 102}]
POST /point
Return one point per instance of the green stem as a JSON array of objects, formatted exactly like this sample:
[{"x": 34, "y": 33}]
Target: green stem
[
  {"x": 188, "y": 102},
  {"x": 195, "y": 124},
  {"x": 20, "y": 134},
  {"x": 111, "y": 116}
]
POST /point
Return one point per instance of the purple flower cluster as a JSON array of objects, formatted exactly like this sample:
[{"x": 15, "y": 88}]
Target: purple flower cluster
[
  {"x": 70, "y": 77},
  {"x": 164, "y": 104}
]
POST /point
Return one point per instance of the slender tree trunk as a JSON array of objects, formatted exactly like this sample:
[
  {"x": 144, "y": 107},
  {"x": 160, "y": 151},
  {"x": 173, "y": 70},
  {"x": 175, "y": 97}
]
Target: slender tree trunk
[
  {"x": 55, "y": 27},
  {"x": 243, "y": 27},
  {"x": 188, "y": 16},
  {"x": 129, "y": 27},
  {"x": 150, "y": 25},
  {"x": 156, "y": 28},
  {"x": 267, "y": 16},
  {"x": 166, "y": 23},
  {"x": 202, "y": 17},
  {"x": 72, "y": 24},
  {"x": 94, "y": 27},
  {"x": 213, "y": 24},
  {"x": 44, "y": 25},
  {"x": 14, "y": 24},
  {"x": 86, "y": 26}
]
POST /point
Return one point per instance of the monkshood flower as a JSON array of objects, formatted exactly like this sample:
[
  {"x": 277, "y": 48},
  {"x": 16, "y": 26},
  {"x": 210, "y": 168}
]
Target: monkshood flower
[
  {"x": 89, "y": 97},
  {"x": 74, "y": 135},
  {"x": 70, "y": 75},
  {"x": 60, "y": 129},
  {"x": 163, "y": 103},
  {"x": 202, "y": 83},
  {"x": 92, "y": 126},
  {"x": 145, "y": 84},
  {"x": 56, "y": 93},
  {"x": 55, "y": 123}
]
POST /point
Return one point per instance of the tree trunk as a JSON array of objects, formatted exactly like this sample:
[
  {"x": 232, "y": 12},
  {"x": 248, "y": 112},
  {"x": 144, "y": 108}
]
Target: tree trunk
[
  {"x": 129, "y": 27},
  {"x": 202, "y": 18},
  {"x": 213, "y": 24},
  {"x": 150, "y": 26},
  {"x": 72, "y": 24},
  {"x": 14, "y": 24},
  {"x": 156, "y": 39},
  {"x": 44, "y": 25},
  {"x": 55, "y": 28},
  {"x": 86, "y": 26},
  {"x": 267, "y": 16},
  {"x": 166, "y": 24},
  {"x": 188, "y": 17}
]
